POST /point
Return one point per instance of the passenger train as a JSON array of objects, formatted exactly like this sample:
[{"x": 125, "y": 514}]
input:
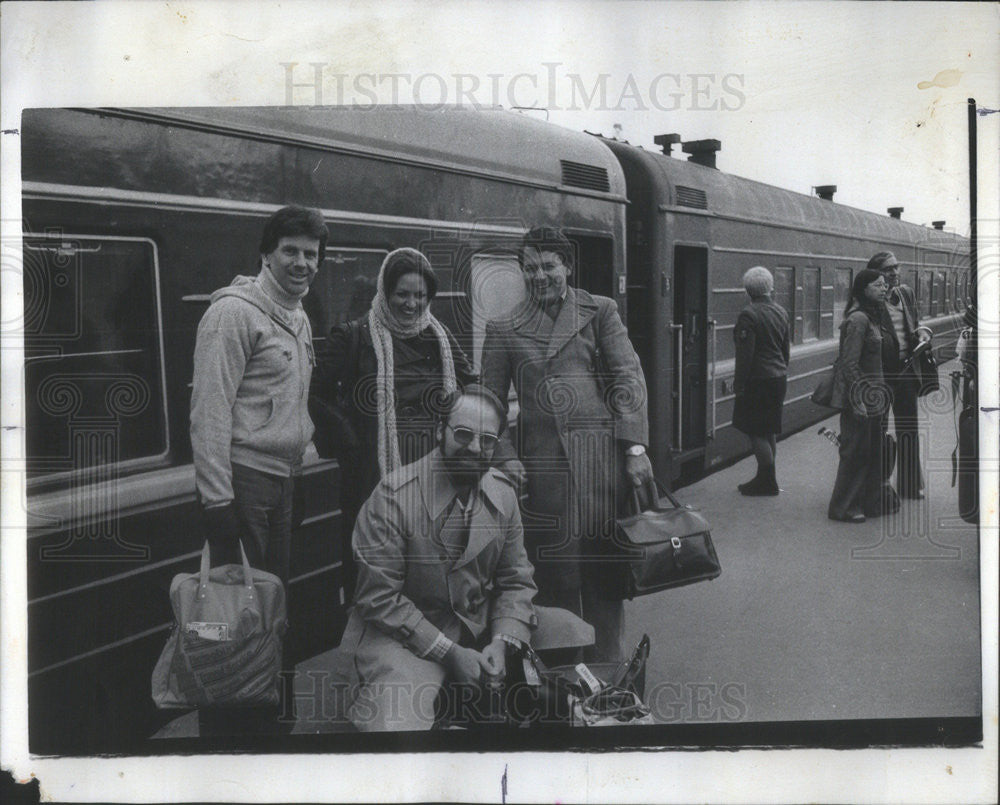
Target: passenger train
[{"x": 132, "y": 217}]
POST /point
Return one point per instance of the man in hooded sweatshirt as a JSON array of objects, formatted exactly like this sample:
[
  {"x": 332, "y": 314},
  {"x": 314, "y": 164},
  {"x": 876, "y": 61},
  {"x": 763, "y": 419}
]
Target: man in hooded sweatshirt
[{"x": 250, "y": 426}]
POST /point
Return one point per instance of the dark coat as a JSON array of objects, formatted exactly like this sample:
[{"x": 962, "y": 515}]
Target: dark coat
[
  {"x": 572, "y": 425},
  {"x": 417, "y": 380},
  {"x": 763, "y": 342},
  {"x": 858, "y": 381}
]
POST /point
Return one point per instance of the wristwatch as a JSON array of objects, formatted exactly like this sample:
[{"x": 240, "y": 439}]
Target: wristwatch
[{"x": 635, "y": 450}]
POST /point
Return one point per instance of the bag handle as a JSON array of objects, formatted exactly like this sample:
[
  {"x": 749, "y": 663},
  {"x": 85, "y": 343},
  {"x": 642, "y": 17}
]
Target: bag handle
[
  {"x": 653, "y": 489},
  {"x": 203, "y": 573}
]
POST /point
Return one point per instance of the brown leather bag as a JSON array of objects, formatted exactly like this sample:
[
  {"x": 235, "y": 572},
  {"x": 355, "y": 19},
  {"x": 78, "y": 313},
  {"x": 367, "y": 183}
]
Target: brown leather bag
[{"x": 666, "y": 545}]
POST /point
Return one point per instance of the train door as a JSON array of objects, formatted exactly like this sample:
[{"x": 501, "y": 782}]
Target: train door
[
  {"x": 595, "y": 267},
  {"x": 690, "y": 324}
]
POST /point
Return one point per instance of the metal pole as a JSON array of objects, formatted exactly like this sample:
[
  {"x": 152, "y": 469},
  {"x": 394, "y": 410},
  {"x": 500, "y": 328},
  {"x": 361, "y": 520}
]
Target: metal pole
[{"x": 973, "y": 206}]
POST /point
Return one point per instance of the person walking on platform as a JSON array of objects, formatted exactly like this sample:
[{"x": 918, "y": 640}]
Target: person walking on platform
[
  {"x": 861, "y": 394},
  {"x": 901, "y": 313},
  {"x": 582, "y": 432},
  {"x": 761, "y": 377}
]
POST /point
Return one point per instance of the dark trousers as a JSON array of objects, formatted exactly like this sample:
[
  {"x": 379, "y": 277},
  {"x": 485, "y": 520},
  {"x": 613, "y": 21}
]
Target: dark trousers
[
  {"x": 858, "y": 488},
  {"x": 263, "y": 504},
  {"x": 607, "y": 618},
  {"x": 904, "y": 414}
]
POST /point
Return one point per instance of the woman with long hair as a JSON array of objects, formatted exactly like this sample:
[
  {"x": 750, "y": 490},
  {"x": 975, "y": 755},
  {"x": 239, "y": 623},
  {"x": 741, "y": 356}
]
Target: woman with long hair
[
  {"x": 397, "y": 364},
  {"x": 861, "y": 394}
]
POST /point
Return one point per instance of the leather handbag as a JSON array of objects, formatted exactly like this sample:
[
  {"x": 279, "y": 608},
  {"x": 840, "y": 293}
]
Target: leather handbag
[
  {"x": 927, "y": 368},
  {"x": 667, "y": 545},
  {"x": 225, "y": 646},
  {"x": 823, "y": 395}
]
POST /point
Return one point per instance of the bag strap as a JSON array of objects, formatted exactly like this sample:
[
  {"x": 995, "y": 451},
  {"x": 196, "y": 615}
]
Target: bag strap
[
  {"x": 203, "y": 573},
  {"x": 653, "y": 489}
]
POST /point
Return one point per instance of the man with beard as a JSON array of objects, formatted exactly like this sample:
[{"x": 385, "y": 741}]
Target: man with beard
[{"x": 444, "y": 583}]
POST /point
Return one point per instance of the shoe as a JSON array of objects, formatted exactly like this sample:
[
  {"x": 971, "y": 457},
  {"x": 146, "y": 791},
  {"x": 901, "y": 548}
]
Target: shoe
[
  {"x": 763, "y": 485},
  {"x": 849, "y": 518},
  {"x": 915, "y": 496}
]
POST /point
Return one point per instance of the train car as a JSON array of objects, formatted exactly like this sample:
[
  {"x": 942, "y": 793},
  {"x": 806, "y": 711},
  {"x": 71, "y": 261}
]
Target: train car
[
  {"x": 693, "y": 231},
  {"x": 131, "y": 219}
]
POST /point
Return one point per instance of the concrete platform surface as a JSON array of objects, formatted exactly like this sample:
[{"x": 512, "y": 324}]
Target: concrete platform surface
[{"x": 815, "y": 619}]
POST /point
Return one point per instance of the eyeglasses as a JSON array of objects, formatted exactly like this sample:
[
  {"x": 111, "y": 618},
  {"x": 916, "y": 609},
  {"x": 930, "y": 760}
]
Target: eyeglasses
[
  {"x": 878, "y": 284},
  {"x": 487, "y": 441}
]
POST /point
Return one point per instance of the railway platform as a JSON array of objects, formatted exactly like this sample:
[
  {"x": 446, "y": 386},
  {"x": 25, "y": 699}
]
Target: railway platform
[
  {"x": 817, "y": 619},
  {"x": 811, "y": 619}
]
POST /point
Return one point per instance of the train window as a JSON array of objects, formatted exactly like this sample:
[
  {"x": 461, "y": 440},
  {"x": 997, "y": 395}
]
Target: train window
[
  {"x": 784, "y": 293},
  {"x": 942, "y": 294},
  {"x": 925, "y": 298},
  {"x": 842, "y": 278},
  {"x": 344, "y": 287},
  {"x": 959, "y": 296},
  {"x": 94, "y": 382},
  {"x": 810, "y": 304},
  {"x": 497, "y": 288}
]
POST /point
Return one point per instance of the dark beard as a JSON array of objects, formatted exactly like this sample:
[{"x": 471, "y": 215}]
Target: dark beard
[{"x": 465, "y": 468}]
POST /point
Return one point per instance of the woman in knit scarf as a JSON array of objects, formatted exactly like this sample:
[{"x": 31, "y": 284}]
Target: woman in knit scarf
[{"x": 403, "y": 360}]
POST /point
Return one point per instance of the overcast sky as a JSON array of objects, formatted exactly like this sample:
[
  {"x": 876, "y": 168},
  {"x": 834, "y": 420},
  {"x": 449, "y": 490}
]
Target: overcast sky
[{"x": 870, "y": 97}]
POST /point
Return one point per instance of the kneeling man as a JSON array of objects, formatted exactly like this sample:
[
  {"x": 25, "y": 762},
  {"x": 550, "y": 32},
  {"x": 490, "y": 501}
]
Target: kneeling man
[{"x": 444, "y": 582}]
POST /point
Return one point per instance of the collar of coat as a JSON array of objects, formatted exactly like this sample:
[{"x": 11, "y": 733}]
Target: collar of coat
[
  {"x": 577, "y": 310},
  {"x": 249, "y": 291},
  {"x": 437, "y": 490}
]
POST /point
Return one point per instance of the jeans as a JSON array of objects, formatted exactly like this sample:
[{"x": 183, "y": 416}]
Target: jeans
[{"x": 263, "y": 505}]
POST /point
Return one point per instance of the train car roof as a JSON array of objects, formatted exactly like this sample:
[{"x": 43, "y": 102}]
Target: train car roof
[
  {"x": 727, "y": 195},
  {"x": 494, "y": 142}
]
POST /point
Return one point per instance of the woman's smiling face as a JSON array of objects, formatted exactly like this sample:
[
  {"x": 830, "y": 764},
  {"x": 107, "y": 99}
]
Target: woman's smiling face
[{"x": 408, "y": 299}]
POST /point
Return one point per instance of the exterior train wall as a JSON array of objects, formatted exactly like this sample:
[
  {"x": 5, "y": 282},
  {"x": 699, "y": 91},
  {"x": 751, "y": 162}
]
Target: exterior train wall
[
  {"x": 129, "y": 226},
  {"x": 692, "y": 232}
]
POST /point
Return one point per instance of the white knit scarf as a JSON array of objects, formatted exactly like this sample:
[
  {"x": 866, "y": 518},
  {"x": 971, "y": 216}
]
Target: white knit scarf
[{"x": 384, "y": 326}]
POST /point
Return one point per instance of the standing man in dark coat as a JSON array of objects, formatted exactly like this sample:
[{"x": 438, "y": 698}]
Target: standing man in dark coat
[
  {"x": 582, "y": 432},
  {"x": 901, "y": 316}
]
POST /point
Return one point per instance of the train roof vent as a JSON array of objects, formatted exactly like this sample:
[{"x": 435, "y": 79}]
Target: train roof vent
[
  {"x": 589, "y": 177},
  {"x": 691, "y": 197}
]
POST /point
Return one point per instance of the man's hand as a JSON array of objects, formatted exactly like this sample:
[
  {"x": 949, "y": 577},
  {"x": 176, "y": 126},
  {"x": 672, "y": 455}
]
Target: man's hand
[
  {"x": 495, "y": 656},
  {"x": 639, "y": 470},
  {"x": 222, "y": 523},
  {"x": 923, "y": 336},
  {"x": 465, "y": 664}
]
